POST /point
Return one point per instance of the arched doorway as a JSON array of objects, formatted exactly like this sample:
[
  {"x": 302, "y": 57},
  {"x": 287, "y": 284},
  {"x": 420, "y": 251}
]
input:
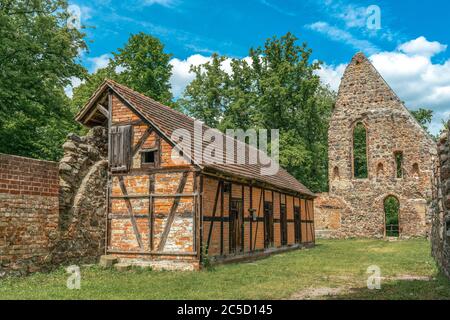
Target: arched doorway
[{"x": 392, "y": 210}]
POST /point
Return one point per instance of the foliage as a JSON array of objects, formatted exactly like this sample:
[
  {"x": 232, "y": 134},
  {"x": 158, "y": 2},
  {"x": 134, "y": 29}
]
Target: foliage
[
  {"x": 275, "y": 88},
  {"x": 391, "y": 209},
  {"x": 423, "y": 116},
  {"x": 38, "y": 58},
  {"x": 141, "y": 65},
  {"x": 332, "y": 264},
  {"x": 360, "y": 151}
]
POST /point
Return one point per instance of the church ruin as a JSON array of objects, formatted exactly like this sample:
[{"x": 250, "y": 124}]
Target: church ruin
[{"x": 379, "y": 157}]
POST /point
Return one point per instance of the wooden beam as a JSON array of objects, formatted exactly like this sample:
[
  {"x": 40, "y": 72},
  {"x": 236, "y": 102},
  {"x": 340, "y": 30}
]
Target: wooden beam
[
  {"x": 103, "y": 110},
  {"x": 222, "y": 204},
  {"x": 250, "y": 208},
  {"x": 151, "y": 217},
  {"x": 259, "y": 213},
  {"x": 173, "y": 210},
  {"x": 145, "y": 196},
  {"x": 146, "y": 253},
  {"x": 242, "y": 220},
  {"x": 141, "y": 141},
  {"x": 130, "y": 212},
  {"x": 219, "y": 187}
]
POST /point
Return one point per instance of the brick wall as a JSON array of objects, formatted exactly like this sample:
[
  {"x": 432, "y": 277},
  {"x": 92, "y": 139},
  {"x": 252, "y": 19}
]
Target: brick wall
[{"x": 28, "y": 213}]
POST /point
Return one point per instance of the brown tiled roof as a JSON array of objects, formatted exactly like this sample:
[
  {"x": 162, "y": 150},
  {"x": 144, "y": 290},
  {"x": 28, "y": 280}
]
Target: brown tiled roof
[{"x": 167, "y": 120}]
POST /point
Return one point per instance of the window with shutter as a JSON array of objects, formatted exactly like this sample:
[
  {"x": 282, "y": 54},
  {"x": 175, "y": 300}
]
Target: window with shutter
[{"x": 120, "y": 148}]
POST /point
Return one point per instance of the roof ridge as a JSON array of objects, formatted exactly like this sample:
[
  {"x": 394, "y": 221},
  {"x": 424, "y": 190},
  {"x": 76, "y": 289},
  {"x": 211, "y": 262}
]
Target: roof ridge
[
  {"x": 151, "y": 99},
  {"x": 144, "y": 105}
]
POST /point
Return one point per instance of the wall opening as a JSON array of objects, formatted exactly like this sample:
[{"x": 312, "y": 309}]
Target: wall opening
[
  {"x": 360, "y": 168},
  {"x": 398, "y": 164},
  {"x": 415, "y": 170},
  {"x": 380, "y": 170},
  {"x": 336, "y": 175},
  {"x": 392, "y": 210}
]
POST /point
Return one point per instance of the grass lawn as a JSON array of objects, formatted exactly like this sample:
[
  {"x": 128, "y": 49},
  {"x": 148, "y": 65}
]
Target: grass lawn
[{"x": 333, "y": 269}]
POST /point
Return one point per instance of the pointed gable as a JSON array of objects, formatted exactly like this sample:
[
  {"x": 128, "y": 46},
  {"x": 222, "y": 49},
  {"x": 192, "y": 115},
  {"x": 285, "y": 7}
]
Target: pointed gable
[{"x": 363, "y": 86}]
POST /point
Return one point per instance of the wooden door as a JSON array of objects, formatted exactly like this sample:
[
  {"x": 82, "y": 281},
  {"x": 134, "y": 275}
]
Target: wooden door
[
  {"x": 268, "y": 225},
  {"x": 297, "y": 223},
  {"x": 283, "y": 225},
  {"x": 236, "y": 224}
]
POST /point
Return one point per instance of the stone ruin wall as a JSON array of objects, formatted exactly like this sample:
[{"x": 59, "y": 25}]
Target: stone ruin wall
[
  {"x": 50, "y": 213},
  {"x": 440, "y": 233},
  {"x": 355, "y": 207}
]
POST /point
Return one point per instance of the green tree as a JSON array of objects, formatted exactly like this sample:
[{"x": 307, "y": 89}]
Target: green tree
[
  {"x": 360, "y": 151},
  {"x": 423, "y": 116},
  {"x": 38, "y": 58},
  {"x": 391, "y": 209},
  {"x": 276, "y": 88},
  {"x": 206, "y": 98},
  {"x": 141, "y": 65}
]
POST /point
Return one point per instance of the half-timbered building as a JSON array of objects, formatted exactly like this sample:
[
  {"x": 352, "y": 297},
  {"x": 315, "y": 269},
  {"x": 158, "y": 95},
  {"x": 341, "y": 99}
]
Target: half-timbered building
[{"x": 168, "y": 209}]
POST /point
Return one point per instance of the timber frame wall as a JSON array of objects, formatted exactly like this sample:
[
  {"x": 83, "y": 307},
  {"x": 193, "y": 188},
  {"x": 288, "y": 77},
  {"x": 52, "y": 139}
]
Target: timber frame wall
[
  {"x": 241, "y": 219},
  {"x": 174, "y": 211}
]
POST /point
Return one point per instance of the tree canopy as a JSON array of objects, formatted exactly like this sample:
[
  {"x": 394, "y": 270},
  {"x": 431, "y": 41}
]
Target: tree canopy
[
  {"x": 141, "y": 65},
  {"x": 38, "y": 58},
  {"x": 275, "y": 88}
]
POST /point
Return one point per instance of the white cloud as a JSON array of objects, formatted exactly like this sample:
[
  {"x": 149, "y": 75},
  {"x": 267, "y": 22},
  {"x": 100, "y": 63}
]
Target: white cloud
[
  {"x": 75, "y": 82},
  {"x": 422, "y": 47},
  {"x": 164, "y": 3},
  {"x": 99, "y": 62},
  {"x": 277, "y": 8},
  {"x": 331, "y": 75},
  {"x": 337, "y": 34},
  {"x": 354, "y": 17},
  {"x": 410, "y": 71},
  {"x": 181, "y": 75}
]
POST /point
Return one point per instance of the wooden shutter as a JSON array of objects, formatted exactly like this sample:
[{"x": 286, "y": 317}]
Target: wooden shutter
[{"x": 120, "y": 144}]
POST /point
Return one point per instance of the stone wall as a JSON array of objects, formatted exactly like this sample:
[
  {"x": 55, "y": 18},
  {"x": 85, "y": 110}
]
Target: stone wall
[
  {"x": 440, "y": 235},
  {"x": 83, "y": 180},
  {"x": 364, "y": 97},
  {"x": 28, "y": 213},
  {"x": 50, "y": 213}
]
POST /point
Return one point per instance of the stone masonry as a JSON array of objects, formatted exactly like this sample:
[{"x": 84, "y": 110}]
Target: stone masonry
[
  {"x": 355, "y": 207},
  {"x": 440, "y": 235}
]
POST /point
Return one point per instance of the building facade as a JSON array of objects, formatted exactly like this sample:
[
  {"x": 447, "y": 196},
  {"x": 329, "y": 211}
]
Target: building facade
[
  {"x": 371, "y": 129},
  {"x": 169, "y": 210}
]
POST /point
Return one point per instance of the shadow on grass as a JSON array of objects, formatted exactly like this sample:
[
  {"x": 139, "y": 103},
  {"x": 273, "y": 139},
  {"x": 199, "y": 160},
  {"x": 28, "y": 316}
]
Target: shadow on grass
[{"x": 435, "y": 289}]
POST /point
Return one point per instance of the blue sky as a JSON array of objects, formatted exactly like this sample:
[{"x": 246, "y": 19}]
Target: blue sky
[{"x": 410, "y": 50}]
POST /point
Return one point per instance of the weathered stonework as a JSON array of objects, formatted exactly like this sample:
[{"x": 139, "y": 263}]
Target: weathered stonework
[
  {"x": 440, "y": 235},
  {"x": 364, "y": 97},
  {"x": 83, "y": 179}
]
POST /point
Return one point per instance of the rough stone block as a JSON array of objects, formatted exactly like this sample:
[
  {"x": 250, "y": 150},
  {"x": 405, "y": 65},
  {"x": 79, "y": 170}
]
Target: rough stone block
[
  {"x": 107, "y": 261},
  {"x": 122, "y": 267}
]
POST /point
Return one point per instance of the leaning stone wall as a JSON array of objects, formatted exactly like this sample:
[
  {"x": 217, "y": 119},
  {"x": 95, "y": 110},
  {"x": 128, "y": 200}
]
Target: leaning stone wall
[
  {"x": 440, "y": 235},
  {"x": 364, "y": 97},
  {"x": 82, "y": 212}
]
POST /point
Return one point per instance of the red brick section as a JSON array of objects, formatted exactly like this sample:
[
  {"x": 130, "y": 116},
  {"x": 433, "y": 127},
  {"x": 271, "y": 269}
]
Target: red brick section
[
  {"x": 29, "y": 212},
  {"x": 23, "y": 176}
]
